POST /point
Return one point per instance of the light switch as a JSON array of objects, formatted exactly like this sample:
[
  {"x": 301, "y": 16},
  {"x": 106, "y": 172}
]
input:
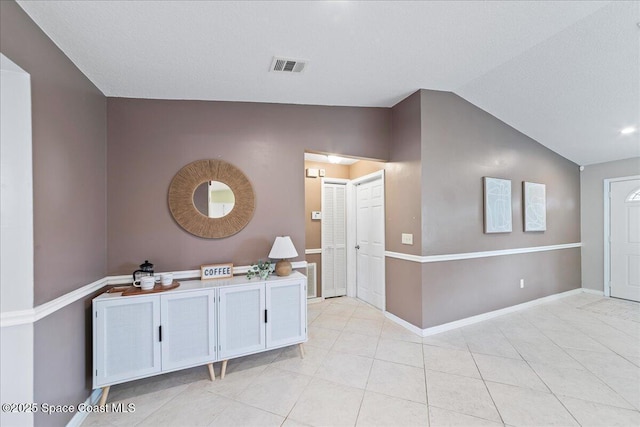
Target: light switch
[
  {"x": 407, "y": 239},
  {"x": 316, "y": 215}
]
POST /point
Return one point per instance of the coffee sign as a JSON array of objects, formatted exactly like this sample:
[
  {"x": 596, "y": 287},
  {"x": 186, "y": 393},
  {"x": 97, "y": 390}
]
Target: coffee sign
[{"x": 216, "y": 271}]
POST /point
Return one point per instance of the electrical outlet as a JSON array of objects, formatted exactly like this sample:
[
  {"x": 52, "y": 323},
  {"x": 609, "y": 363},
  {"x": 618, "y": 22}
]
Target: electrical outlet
[
  {"x": 407, "y": 239},
  {"x": 521, "y": 283}
]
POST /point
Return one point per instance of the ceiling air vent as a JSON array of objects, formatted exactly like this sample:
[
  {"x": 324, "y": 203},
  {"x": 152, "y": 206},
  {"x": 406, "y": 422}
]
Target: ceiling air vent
[{"x": 286, "y": 65}]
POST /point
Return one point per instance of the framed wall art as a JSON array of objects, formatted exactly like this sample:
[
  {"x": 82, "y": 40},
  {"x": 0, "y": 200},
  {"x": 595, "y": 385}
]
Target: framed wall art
[
  {"x": 497, "y": 205},
  {"x": 535, "y": 206}
]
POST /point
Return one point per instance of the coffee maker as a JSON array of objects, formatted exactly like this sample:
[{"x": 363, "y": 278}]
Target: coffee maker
[{"x": 146, "y": 269}]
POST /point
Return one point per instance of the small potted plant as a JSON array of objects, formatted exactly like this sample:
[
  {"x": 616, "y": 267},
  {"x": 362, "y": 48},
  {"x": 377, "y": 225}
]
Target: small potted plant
[{"x": 262, "y": 269}]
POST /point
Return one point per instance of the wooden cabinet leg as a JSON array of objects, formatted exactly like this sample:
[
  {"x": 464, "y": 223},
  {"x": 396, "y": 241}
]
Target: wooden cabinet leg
[
  {"x": 301, "y": 350},
  {"x": 105, "y": 394},
  {"x": 212, "y": 373},
  {"x": 224, "y": 369}
]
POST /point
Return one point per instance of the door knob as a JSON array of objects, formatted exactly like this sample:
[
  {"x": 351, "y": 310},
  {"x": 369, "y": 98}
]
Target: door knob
[{"x": 357, "y": 246}]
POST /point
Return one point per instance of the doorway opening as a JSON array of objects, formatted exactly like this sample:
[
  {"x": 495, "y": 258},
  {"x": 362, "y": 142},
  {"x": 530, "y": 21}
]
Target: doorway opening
[{"x": 344, "y": 209}]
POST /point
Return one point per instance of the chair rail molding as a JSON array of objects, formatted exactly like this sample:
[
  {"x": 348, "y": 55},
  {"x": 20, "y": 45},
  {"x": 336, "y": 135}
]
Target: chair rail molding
[
  {"x": 21, "y": 317},
  {"x": 482, "y": 254}
]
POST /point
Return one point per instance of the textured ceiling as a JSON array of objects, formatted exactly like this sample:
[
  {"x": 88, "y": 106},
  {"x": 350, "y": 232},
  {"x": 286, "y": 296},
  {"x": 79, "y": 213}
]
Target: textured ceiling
[{"x": 565, "y": 73}]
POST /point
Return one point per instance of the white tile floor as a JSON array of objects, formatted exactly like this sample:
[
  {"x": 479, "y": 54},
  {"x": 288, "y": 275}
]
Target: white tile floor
[{"x": 574, "y": 361}]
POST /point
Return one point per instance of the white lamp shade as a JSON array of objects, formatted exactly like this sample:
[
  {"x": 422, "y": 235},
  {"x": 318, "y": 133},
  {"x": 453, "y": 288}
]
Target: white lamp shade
[{"x": 283, "y": 248}]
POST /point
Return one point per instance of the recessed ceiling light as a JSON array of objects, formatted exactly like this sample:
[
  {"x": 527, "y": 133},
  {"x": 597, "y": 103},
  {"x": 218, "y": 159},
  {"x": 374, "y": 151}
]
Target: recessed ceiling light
[
  {"x": 628, "y": 130},
  {"x": 333, "y": 159}
]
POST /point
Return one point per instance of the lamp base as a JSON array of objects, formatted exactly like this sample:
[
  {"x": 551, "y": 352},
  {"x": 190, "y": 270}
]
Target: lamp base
[{"x": 283, "y": 268}]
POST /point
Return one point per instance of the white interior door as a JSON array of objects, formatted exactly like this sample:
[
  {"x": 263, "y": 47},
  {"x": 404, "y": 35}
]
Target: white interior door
[
  {"x": 334, "y": 240},
  {"x": 370, "y": 242},
  {"x": 625, "y": 239}
]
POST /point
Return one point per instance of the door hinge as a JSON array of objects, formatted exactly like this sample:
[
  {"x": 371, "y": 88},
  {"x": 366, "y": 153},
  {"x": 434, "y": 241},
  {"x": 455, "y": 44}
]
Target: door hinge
[
  {"x": 96, "y": 372},
  {"x": 160, "y": 332}
]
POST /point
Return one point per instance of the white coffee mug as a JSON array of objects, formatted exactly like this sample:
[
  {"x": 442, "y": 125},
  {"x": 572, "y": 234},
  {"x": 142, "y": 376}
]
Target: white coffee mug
[
  {"x": 146, "y": 283},
  {"x": 166, "y": 279}
]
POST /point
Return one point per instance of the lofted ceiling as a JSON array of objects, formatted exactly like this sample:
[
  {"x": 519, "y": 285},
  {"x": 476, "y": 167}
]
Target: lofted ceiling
[{"x": 565, "y": 73}]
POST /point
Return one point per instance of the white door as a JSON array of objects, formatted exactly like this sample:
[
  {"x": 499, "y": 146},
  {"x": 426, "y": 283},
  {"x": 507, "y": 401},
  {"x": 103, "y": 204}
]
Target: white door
[
  {"x": 286, "y": 312},
  {"x": 188, "y": 322},
  {"x": 242, "y": 320},
  {"x": 334, "y": 240},
  {"x": 370, "y": 242},
  {"x": 126, "y": 339},
  {"x": 625, "y": 239}
]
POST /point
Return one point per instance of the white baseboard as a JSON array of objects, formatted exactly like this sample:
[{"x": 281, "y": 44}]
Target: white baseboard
[
  {"x": 593, "y": 291},
  {"x": 79, "y": 417},
  {"x": 314, "y": 300},
  {"x": 404, "y": 323},
  {"x": 484, "y": 316}
]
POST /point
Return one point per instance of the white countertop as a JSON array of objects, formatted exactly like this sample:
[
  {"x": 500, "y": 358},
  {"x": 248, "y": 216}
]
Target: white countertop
[{"x": 190, "y": 285}]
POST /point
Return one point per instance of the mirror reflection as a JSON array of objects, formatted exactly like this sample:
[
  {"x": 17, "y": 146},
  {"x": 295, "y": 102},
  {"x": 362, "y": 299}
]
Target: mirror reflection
[{"x": 214, "y": 199}]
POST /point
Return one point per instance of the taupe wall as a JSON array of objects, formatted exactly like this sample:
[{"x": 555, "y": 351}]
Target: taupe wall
[
  {"x": 403, "y": 193},
  {"x": 69, "y": 160},
  {"x": 63, "y": 362},
  {"x": 592, "y": 207},
  {"x": 403, "y": 178},
  {"x": 69, "y": 174},
  {"x": 150, "y": 140},
  {"x": 461, "y": 143},
  {"x": 454, "y": 290}
]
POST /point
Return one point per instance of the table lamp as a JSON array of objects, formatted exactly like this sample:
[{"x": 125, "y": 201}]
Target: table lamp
[{"x": 282, "y": 249}]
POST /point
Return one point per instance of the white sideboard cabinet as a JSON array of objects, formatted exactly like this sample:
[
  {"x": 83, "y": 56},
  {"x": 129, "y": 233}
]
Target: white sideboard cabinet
[
  {"x": 198, "y": 323},
  {"x": 263, "y": 316}
]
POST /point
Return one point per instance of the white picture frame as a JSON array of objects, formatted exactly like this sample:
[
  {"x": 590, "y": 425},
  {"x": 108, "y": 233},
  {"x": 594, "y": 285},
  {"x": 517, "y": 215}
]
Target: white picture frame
[
  {"x": 497, "y": 205},
  {"x": 535, "y": 206}
]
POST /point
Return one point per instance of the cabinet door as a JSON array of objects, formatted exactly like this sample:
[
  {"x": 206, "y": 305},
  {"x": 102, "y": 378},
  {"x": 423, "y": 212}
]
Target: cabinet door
[
  {"x": 188, "y": 322},
  {"x": 126, "y": 339},
  {"x": 241, "y": 317},
  {"x": 286, "y": 312}
]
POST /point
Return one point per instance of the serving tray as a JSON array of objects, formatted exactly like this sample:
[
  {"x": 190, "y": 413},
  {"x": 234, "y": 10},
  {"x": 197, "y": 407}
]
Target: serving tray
[{"x": 134, "y": 290}]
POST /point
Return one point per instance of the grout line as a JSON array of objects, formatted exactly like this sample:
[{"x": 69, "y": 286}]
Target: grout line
[
  {"x": 484, "y": 382},
  {"x": 569, "y": 307},
  {"x": 426, "y": 386}
]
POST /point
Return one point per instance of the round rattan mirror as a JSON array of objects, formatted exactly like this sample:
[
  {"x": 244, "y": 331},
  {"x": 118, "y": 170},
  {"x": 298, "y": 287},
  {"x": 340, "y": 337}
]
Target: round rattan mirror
[{"x": 187, "y": 215}]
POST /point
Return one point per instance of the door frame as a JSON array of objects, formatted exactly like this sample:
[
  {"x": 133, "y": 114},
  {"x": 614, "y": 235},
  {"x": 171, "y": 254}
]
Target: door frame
[
  {"x": 351, "y": 234},
  {"x": 607, "y": 229},
  {"x": 347, "y": 183}
]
